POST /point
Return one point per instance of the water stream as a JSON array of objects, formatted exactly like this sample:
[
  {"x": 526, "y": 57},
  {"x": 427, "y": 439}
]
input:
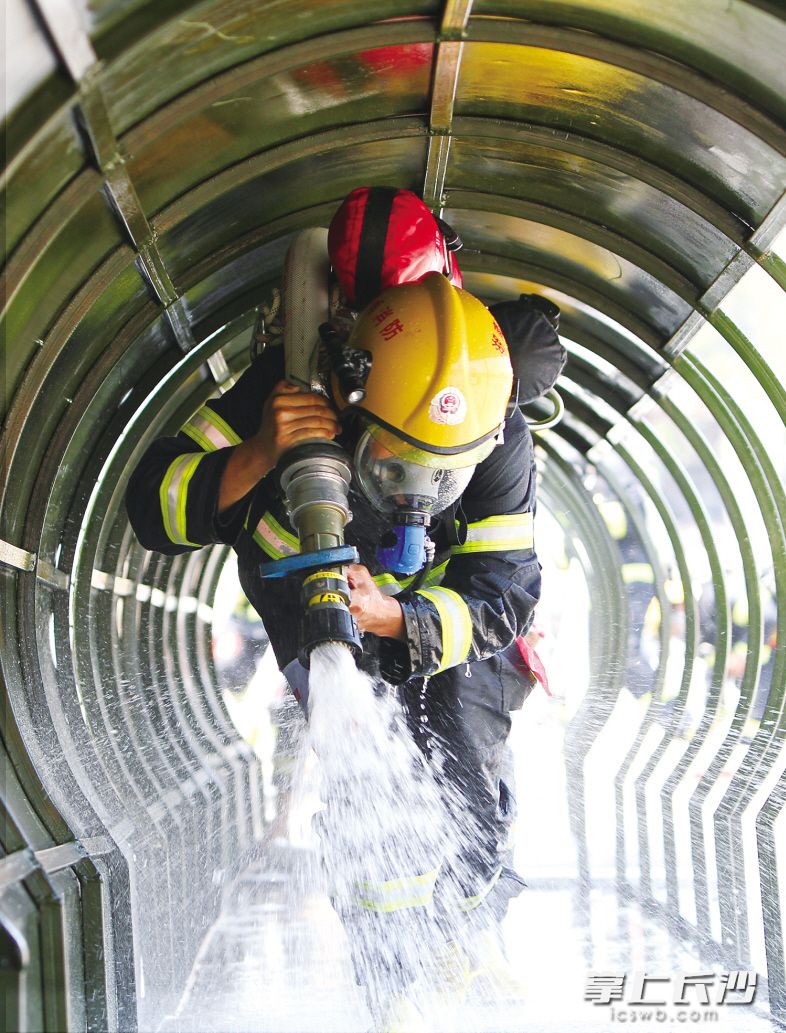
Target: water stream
[{"x": 384, "y": 832}]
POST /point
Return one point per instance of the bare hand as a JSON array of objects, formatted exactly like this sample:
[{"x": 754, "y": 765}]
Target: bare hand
[
  {"x": 373, "y": 610},
  {"x": 291, "y": 416}
]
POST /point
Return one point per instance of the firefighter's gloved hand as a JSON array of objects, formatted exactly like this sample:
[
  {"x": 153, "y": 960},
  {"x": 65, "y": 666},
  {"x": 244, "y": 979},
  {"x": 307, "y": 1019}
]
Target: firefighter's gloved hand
[
  {"x": 291, "y": 416},
  {"x": 373, "y": 611}
]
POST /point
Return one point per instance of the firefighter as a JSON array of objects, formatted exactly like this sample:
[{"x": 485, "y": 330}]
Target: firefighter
[{"x": 435, "y": 460}]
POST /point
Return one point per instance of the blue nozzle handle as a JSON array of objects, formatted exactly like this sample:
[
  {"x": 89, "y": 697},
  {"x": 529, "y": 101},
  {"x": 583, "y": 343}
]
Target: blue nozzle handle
[{"x": 310, "y": 561}]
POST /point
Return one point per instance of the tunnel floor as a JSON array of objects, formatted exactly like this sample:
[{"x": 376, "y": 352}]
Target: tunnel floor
[{"x": 276, "y": 959}]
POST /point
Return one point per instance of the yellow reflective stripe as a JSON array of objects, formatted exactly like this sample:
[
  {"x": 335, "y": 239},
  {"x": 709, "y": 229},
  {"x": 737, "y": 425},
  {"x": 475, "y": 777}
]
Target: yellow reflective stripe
[
  {"x": 173, "y": 495},
  {"x": 397, "y": 894},
  {"x": 276, "y": 541},
  {"x": 209, "y": 430},
  {"x": 751, "y": 727},
  {"x": 436, "y": 574},
  {"x": 456, "y": 625},
  {"x": 740, "y": 612},
  {"x": 640, "y": 573},
  {"x": 389, "y": 584},
  {"x": 470, "y": 903},
  {"x": 504, "y": 533}
]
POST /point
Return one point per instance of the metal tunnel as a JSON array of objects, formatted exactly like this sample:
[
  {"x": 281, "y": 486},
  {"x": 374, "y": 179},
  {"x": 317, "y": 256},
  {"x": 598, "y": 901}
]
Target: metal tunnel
[{"x": 625, "y": 158}]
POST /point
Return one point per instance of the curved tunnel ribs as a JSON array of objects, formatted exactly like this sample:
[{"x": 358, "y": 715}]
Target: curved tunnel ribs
[{"x": 627, "y": 161}]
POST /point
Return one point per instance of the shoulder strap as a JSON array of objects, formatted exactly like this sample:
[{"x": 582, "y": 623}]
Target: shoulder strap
[{"x": 455, "y": 524}]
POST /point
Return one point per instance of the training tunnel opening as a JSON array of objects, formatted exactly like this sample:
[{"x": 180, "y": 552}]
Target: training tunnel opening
[{"x": 627, "y": 160}]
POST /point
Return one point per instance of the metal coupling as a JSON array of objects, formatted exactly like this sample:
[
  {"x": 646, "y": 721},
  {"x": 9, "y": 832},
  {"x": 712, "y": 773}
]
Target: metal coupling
[{"x": 315, "y": 480}]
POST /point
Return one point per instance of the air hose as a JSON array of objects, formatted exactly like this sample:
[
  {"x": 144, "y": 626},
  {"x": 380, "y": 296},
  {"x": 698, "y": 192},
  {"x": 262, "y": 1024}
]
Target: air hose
[{"x": 314, "y": 477}]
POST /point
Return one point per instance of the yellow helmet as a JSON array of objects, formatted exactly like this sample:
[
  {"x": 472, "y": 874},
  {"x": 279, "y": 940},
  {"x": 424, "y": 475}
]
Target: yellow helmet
[{"x": 440, "y": 376}]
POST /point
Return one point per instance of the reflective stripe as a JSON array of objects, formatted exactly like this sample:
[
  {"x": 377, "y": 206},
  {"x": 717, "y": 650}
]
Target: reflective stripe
[
  {"x": 173, "y": 495},
  {"x": 389, "y": 584},
  {"x": 503, "y": 533},
  {"x": 740, "y": 612},
  {"x": 275, "y": 539},
  {"x": 456, "y": 625},
  {"x": 436, "y": 574},
  {"x": 209, "y": 430},
  {"x": 397, "y": 894},
  {"x": 638, "y": 573},
  {"x": 470, "y": 903}
]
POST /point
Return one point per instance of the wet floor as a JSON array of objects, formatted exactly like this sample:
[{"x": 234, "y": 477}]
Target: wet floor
[{"x": 276, "y": 961}]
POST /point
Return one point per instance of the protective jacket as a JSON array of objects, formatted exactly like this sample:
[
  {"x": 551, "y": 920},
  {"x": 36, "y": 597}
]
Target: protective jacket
[{"x": 477, "y": 599}]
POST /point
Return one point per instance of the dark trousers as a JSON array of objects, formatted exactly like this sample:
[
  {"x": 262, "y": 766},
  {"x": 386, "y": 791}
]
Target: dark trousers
[{"x": 462, "y": 724}]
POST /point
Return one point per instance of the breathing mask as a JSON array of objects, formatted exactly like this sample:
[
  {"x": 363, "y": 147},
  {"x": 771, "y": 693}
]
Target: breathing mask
[{"x": 409, "y": 488}]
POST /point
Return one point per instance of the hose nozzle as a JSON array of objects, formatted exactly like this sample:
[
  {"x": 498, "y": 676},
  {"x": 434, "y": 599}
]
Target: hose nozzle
[
  {"x": 315, "y": 479},
  {"x": 325, "y": 615}
]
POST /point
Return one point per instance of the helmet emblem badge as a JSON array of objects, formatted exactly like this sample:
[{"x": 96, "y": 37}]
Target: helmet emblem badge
[{"x": 448, "y": 407}]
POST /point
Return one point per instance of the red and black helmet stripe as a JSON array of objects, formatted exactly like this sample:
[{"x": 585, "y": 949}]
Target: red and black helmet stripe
[
  {"x": 371, "y": 246},
  {"x": 384, "y": 236}
]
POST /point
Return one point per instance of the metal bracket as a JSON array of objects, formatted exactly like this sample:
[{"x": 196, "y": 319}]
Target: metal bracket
[
  {"x": 72, "y": 42},
  {"x": 444, "y": 82},
  {"x": 64, "y": 25},
  {"x": 774, "y": 223},
  {"x": 684, "y": 335},
  {"x": 12, "y": 556},
  {"x": 17, "y": 866},
  {"x": 50, "y": 575}
]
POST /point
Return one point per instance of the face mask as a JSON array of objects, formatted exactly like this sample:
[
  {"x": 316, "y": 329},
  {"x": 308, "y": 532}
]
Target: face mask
[{"x": 410, "y": 493}]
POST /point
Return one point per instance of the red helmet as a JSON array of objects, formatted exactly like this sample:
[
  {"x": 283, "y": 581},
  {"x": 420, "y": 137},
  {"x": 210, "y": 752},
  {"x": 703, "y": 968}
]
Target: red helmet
[{"x": 383, "y": 236}]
